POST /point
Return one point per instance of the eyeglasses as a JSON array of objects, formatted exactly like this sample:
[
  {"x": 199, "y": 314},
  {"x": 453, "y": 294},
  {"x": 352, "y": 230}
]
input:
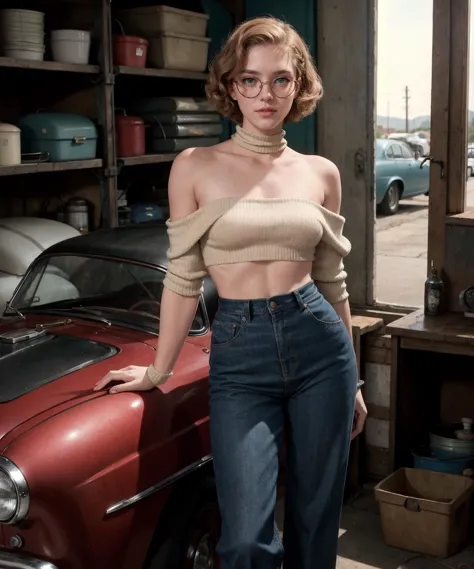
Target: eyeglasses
[{"x": 251, "y": 87}]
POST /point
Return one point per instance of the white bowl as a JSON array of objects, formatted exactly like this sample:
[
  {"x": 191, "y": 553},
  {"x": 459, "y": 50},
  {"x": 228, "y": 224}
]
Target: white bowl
[
  {"x": 67, "y": 51},
  {"x": 71, "y": 35}
]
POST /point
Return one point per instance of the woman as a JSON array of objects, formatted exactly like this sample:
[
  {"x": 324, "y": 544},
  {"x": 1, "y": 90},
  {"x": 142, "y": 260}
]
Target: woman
[{"x": 264, "y": 221}]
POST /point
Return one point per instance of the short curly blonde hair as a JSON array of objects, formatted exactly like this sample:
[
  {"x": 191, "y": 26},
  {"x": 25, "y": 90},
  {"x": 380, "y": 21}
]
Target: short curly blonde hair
[{"x": 228, "y": 62}]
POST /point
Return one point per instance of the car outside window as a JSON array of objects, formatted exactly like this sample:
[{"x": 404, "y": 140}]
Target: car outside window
[
  {"x": 397, "y": 151},
  {"x": 406, "y": 151}
]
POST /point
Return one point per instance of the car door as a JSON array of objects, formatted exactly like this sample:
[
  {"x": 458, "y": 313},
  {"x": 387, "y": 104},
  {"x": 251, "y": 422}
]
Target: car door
[{"x": 415, "y": 179}]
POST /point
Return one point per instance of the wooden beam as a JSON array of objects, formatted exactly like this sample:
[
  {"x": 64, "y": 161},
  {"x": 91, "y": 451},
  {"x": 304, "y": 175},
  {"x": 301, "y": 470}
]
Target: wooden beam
[
  {"x": 458, "y": 105},
  {"x": 439, "y": 132},
  {"x": 346, "y": 126}
]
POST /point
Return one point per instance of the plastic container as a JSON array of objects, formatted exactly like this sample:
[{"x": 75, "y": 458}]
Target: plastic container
[
  {"x": 424, "y": 511},
  {"x": 10, "y": 145},
  {"x": 154, "y": 20},
  {"x": 130, "y": 136},
  {"x": 71, "y": 46},
  {"x": 179, "y": 51},
  {"x": 130, "y": 51}
]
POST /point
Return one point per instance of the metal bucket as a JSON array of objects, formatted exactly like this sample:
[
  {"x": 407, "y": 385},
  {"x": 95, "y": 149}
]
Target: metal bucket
[
  {"x": 424, "y": 459},
  {"x": 444, "y": 444}
]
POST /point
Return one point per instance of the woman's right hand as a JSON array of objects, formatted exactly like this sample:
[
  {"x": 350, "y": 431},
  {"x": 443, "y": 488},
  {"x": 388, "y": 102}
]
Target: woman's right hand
[{"x": 134, "y": 378}]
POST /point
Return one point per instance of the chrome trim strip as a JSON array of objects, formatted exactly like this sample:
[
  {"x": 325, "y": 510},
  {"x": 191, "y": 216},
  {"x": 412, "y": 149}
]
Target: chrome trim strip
[
  {"x": 22, "y": 490},
  {"x": 13, "y": 561},
  {"x": 159, "y": 486}
]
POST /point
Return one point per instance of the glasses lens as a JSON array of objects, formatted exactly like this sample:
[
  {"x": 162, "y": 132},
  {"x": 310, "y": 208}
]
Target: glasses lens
[
  {"x": 251, "y": 87},
  {"x": 282, "y": 87}
]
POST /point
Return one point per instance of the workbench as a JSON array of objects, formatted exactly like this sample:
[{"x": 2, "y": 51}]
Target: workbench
[{"x": 432, "y": 378}]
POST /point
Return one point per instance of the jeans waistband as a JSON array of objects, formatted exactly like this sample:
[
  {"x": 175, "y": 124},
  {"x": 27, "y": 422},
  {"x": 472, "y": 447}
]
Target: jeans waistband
[{"x": 296, "y": 299}]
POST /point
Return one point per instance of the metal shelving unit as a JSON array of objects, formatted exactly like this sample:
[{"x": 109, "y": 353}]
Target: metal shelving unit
[{"x": 104, "y": 76}]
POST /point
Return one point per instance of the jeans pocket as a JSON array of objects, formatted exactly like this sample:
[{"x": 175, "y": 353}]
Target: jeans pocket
[
  {"x": 322, "y": 311},
  {"x": 225, "y": 331}
]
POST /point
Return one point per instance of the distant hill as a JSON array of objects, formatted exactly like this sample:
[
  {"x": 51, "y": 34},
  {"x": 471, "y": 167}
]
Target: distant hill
[{"x": 415, "y": 123}]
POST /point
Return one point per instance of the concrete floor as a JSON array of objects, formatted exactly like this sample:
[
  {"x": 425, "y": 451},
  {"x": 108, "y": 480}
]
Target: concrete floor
[
  {"x": 401, "y": 248},
  {"x": 361, "y": 544}
]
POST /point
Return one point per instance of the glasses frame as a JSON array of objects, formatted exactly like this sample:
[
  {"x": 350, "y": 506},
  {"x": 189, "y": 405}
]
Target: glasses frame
[{"x": 262, "y": 85}]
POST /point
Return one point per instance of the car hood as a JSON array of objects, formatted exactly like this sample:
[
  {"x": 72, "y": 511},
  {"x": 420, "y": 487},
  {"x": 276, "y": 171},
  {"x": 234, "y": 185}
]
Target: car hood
[{"x": 55, "y": 367}]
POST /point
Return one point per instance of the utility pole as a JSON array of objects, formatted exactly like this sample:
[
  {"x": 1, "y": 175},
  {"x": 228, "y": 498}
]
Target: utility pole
[
  {"x": 388, "y": 117},
  {"x": 406, "y": 110}
]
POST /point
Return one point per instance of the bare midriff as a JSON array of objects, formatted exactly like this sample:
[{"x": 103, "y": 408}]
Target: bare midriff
[{"x": 259, "y": 279}]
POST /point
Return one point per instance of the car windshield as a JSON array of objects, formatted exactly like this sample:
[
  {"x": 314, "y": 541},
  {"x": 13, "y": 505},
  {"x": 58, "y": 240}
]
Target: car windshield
[{"x": 119, "y": 292}]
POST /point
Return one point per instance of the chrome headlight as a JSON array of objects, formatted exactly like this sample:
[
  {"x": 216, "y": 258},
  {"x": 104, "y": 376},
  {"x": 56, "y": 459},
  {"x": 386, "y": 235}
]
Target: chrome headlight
[{"x": 14, "y": 493}]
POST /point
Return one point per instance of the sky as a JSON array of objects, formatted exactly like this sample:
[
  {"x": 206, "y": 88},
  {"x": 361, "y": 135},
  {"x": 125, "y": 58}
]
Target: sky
[{"x": 405, "y": 33}]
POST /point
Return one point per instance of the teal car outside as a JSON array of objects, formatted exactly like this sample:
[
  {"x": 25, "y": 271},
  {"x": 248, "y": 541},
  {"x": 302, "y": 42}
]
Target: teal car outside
[{"x": 398, "y": 174}]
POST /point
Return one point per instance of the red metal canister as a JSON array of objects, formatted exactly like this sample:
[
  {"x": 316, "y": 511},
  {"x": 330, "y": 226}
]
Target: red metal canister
[
  {"x": 130, "y": 51},
  {"x": 130, "y": 135}
]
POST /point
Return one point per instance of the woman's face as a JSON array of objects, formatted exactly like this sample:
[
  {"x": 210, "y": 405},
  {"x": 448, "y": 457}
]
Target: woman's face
[{"x": 265, "y": 88}]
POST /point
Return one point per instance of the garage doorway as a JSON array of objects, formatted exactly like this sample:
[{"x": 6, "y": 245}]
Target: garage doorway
[{"x": 426, "y": 98}]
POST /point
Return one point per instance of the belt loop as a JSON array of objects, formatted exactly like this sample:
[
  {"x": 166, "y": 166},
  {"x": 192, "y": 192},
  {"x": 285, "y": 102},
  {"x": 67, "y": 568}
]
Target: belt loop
[
  {"x": 248, "y": 311},
  {"x": 299, "y": 300}
]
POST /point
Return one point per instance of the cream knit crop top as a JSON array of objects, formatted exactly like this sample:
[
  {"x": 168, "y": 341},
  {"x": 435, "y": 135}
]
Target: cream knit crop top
[{"x": 233, "y": 230}]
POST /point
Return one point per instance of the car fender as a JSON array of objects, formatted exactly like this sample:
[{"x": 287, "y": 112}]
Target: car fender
[{"x": 110, "y": 449}]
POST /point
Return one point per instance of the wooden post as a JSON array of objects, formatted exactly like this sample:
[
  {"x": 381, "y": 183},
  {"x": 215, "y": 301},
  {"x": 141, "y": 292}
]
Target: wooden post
[{"x": 107, "y": 120}]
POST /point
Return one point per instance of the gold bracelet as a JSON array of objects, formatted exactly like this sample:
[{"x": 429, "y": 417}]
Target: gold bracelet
[{"x": 157, "y": 377}]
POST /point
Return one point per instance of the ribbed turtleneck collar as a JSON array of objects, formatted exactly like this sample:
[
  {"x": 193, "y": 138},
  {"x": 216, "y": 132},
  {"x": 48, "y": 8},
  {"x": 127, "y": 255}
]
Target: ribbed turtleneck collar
[{"x": 260, "y": 143}]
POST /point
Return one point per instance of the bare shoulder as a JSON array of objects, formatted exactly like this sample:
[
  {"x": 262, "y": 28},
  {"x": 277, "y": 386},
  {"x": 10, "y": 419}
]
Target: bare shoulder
[
  {"x": 183, "y": 178},
  {"x": 181, "y": 183},
  {"x": 328, "y": 174}
]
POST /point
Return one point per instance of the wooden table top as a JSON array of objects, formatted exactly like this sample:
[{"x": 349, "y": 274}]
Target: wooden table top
[{"x": 452, "y": 327}]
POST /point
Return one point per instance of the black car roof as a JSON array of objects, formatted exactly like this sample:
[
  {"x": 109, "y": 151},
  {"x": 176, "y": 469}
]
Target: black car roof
[{"x": 142, "y": 243}]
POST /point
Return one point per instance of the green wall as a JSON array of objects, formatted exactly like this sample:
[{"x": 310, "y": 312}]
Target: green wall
[{"x": 301, "y": 14}]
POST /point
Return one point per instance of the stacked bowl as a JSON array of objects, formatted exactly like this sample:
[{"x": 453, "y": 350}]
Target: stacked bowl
[{"x": 22, "y": 34}]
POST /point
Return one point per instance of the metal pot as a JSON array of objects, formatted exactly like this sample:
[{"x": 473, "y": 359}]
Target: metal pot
[{"x": 444, "y": 444}]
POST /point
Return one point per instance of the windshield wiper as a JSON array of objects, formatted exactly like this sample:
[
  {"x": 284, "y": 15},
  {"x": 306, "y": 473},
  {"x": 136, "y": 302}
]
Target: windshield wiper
[{"x": 122, "y": 310}]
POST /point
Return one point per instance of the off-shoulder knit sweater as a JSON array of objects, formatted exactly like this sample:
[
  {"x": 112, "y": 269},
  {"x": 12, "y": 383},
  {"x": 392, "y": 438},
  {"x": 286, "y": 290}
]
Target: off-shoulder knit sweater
[{"x": 233, "y": 230}]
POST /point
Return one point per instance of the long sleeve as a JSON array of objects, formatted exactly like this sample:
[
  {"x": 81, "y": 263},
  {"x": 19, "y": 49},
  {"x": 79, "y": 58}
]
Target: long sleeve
[
  {"x": 186, "y": 267},
  {"x": 328, "y": 266}
]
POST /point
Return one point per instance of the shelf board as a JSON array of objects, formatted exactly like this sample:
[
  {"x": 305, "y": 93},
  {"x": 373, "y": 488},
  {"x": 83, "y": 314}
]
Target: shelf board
[
  {"x": 466, "y": 218},
  {"x": 38, "y": 167},
  {"x": 47, "y": 65},
  {"x": 166, "y": 73},
  {"x": 147, "y": 159}
]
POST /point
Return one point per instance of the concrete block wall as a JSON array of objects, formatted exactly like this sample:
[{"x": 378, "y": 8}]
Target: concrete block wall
[{"x": 377, "y": 374}]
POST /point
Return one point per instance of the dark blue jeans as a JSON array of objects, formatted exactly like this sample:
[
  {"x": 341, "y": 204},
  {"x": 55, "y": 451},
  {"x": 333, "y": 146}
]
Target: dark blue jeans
[{"x": 282, "y": 361}]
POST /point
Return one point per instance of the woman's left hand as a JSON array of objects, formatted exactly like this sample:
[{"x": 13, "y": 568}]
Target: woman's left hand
[{"x": 360, "y": 415}]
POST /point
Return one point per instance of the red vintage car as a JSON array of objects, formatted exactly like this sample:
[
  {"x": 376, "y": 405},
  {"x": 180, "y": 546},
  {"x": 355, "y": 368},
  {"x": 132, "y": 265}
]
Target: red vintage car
[{"x": 90, "y": 480}]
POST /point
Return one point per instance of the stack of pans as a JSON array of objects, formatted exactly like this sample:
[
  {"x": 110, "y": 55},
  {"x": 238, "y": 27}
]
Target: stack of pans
[{"x": 22, "y": 34}]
